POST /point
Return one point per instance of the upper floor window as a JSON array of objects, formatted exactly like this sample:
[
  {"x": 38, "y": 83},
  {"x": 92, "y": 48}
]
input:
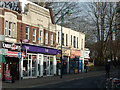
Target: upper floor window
[
  {"x": 14, "y": 29},
  {"x": 66, "y": 39},
  {"x": 51, "y": 41},
  {"x": 27, "y": 32},
  {"x": 6, "y": 28},
  {"x": 58, "y": 37},
  {"x": 34, "y": 35},
  {"x": 10, "y": 27},
  {"x": 77, "y": 42},
  {"x": 82, "y": 44},
  {"x": 71, "y": 39},
  {"x": 41, "y": 36},
  {"x": 62, "y": 38},
  {"x": 46, "y": 37},
  {"x": 74, "y": 42}
]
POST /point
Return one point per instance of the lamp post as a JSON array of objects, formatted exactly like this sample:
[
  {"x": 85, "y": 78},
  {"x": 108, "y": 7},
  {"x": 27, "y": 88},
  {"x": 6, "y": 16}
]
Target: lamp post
[
  {"x": 62, "y": 20},
  {"x": 110, "y": 42}
]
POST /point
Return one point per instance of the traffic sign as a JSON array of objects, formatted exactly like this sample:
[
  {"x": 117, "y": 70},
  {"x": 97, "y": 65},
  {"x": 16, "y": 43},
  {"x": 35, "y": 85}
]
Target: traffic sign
[{"x": 20, "y": 55}]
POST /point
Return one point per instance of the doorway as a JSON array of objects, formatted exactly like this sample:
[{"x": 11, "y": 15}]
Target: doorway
[{"x": 46, "y": 65}]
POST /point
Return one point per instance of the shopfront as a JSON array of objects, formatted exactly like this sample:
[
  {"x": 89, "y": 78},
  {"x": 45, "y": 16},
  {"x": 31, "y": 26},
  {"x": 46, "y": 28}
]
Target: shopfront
[
  {"x": 66, "y": 54},
  {"x": 2, "y": 61},
  {"x": 58, "y": 58},
  {"x": 75, "y": 62},
  {"x": 12, "y": 60},
  {"x": 40, "y": 61}
]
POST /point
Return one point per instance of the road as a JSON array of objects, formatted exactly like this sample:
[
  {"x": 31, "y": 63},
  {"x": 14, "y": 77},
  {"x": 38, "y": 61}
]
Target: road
[{"x": 86, "y": 82}]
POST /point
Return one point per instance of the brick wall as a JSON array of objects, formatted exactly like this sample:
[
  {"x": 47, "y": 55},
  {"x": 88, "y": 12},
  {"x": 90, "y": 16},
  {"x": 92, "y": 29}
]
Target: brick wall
[
  {"x": 30, "y": 33},
  {"x": 1, "y": 11},
  {"x": 49, "y": 38},
  {"x": 1, "y": 26},
  {"x": 19, "y": 31}
]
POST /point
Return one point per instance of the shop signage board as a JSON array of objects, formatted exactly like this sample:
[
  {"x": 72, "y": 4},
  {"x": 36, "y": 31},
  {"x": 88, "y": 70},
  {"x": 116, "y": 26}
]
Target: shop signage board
[
  {"x": 7, "y": 76},
  {"x": 11, "y": 46},
  {"x": 19, "y": 54},
  {"x": 75, "y": 52},
  {"x": 40, "y": 49},
  {"x": 15, "y": 54}
]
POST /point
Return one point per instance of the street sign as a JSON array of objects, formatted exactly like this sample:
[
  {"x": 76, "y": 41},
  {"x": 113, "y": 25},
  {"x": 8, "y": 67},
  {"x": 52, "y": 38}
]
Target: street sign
[
  {"x": 3, "y": 51},
  {"x": 20, "y": 55}
]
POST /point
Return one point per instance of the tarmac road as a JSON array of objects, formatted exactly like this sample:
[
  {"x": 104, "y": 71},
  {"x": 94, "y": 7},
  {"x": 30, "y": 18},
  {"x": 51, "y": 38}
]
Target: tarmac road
[{"x": 86, "y": 82}]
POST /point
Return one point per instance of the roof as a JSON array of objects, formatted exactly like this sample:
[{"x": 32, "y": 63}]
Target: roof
[{"x": 29, "y": 2}]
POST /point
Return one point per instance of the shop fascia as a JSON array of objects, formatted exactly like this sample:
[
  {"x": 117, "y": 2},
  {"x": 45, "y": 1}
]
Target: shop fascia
[{"x": 11, "y": 46}]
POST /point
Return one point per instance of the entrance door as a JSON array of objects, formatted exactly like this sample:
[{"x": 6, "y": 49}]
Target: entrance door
[{"x": 46, "y": 66}]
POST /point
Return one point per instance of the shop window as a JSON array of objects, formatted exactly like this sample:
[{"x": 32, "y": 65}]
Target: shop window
[
  {"x": 34, "y": 35},
  {"x": 25, "y": 68},
  {"x": 34, "y": 58},
  {"x": 27, "y": 32},
  {"x": 10, "y": 26},
  {"x": 6, "y": 28}
]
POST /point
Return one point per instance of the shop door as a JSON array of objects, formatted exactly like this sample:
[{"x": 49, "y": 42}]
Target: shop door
[
  {"x": 46, "y": 66},
  {"x": 45, "y": 69},
  {"x": 16, "y": 71}
]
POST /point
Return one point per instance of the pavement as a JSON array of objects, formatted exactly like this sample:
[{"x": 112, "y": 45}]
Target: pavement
[{"x": 31, "y": 83}]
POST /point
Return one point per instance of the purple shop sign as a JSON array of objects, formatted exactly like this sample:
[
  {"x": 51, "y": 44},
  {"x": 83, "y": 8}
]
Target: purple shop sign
[{"x": 40, "y": 49}]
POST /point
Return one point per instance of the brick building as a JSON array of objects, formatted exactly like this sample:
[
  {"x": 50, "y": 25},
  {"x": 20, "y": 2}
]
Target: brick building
[{"x": 30, "y": 29}]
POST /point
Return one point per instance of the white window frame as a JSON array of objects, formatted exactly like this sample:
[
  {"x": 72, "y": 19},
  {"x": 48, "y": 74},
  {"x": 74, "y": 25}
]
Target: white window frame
[
  {"x": 46, "y": 37},
  {"x": 6, "y": 28},
  {"x": 27, "y": 33},
  {"x": 13, "y": 30},
  {"x": 41, "y": 36},
  {"x": 51, "y": 39},
  {"x": 34, "y": 35},
  {"x": 10, "y": 29}
]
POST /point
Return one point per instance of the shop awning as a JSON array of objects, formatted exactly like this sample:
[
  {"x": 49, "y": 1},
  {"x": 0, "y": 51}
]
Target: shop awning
[{"x": 2, "y": 59}]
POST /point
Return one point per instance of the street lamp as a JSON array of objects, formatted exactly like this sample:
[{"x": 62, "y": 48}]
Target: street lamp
[{"x": 62, "y": 19}]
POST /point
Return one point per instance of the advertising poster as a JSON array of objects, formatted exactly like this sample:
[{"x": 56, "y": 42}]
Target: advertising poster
[{"x": 7, "y": 75}]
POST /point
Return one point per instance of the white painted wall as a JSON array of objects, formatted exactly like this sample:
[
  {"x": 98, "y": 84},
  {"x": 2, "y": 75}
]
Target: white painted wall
[{"x": 70, "y": 32}]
